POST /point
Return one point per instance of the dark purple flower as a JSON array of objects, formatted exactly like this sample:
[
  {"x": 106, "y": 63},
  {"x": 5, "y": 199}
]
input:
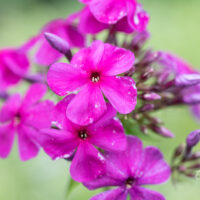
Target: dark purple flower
[
  {"x": 26, "y": 117},
  {"x": 128, "y": 171},
  {"x": 94, "y": 71},
  {"x": 69, "y": 140}
]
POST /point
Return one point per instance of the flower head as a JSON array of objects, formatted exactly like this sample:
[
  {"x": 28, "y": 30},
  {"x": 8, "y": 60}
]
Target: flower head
[
  {"x": 92, "y": 72},
  {"x": 124, "y": 16},
  {"x": 14, "y": 64},
  {"x": 24, "y": 116},
  {"x": 63, "y": 28},
  {"x": 128, "y": 171},
  {"x": 71, "y": 140}
]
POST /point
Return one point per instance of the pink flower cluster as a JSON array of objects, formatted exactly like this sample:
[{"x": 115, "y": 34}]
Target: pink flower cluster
[{"x": 99, "y": 93}]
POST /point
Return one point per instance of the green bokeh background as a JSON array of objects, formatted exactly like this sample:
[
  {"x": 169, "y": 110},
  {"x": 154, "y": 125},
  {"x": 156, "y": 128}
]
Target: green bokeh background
[{"x": 174, "y": 27}]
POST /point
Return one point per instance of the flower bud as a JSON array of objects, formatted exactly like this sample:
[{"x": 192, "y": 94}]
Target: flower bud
[
  {"x": 147, "y": 107},
  {"x": 147, "y": 74},
  {"x": 161, "y": 130},
  {"x": 187, "y": 80},
  {"x": 3, "y": 95},
  {"x": 179, "y": 151},
  {"x": 193, "y": 138},
  {"x": 151, "y": 96},
  {"x": 192, "y": 99},
  {"x": 144, "y": 129},
  {"x": 195, "y": 166},
  {"x": 140, "y": 39},
  {"x": 59, "y": 44}
]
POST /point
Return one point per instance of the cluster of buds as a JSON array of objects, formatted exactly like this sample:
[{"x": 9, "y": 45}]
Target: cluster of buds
[{"x": 185, "y": 160}]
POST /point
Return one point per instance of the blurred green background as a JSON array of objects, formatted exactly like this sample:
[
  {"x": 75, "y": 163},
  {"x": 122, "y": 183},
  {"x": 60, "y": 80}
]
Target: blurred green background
[{"x": 174, "y": 27}]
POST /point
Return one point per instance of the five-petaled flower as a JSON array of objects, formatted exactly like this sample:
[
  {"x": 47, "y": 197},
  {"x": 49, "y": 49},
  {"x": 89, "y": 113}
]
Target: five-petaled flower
[
  {"x": 92, "y": 71},
  {"x": 26, "y": 117},
  {"x": 69, "y": 140},
  {"x": 125, "y": 15},
  {"x": 129, "y": 170}
]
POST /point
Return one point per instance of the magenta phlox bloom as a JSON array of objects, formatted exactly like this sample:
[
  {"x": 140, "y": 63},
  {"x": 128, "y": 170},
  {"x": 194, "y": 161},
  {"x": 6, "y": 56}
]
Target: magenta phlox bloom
[
  {"x": 25, "y": 117},
  {"x": 94, "y": 71},
  {"x": 63, "y": 28},
  {"x": 69, "y": 140},
  {"x": 124, "y": 16},
  {"x": 129, "y": 170},
  {"x": 14, "y": 65}
]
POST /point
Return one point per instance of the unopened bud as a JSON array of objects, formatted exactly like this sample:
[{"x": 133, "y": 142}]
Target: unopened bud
[
  {"x": 144, "y": 129},
  {"x": 195, "y": 166},
  {"x": 192, "y": 99},
  {"x": 187, "y": 80},
  {"x": 140, "y": 39},
  {"x": 161, "y": 130},
  {"x": 193, "y": 138},
  {"x": 147, "y": 74},
  {"x": 151, "y": 96},
  {"x": 59, "y": 44},
  {"x": 147, "y": 107},
  {"x": 179, "y": 150}
]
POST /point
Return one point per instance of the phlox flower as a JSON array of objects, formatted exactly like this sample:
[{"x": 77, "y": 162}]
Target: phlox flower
[
  {"x": 125, "y": 16},
  {"x": 64, "y": 28},
  {"x": 129, "y": 170},
  {"x": 25, "y": 117},
  {"x": 92, "y": 72},
  {"x": 69, "y": 140},
  {"x": 14, "y": 65}
]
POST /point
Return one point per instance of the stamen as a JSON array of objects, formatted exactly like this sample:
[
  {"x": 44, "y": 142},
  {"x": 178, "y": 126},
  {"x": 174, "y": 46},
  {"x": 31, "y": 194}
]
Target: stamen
[
  {"x": 95, "y": 77},
  {"x": 83, "y": 134},
  {"x": 129, "y": 183}
]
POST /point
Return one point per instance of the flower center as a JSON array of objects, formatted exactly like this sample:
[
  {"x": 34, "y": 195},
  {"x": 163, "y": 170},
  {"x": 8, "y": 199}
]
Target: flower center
[
  {"x": 83, "y": 134},
  {"x": 17, "y": 118},
  {"x": 95, "y": 77},
  {"x": 129, "y": 183}
]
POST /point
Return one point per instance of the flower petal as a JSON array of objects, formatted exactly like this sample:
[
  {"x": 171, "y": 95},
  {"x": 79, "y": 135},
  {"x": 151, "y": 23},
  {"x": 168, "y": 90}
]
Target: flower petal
[
  {"x": 28, "y": 147},
  {"x": 6, "y": 139},
  {"x": 109, "y": 11},
  {"x": 60, "y": 119},
  {"x": 46, "y": 55},
  {"x": 145, "y": 194},
  {"x": 10, "y": 108},
  {"x": 154, "y": 169},
  {"x": 88, "y": 23},
  {"x": 124, "y": 164},
  {"x": 89, "y": 58},
  {"x": 102, "y": 181},
  {"x": 109, "y": 136},
  {"x": 40, "y": 115},
  {"x": 33, "y": 95},
  {"x": 137, "y": 18},
  {"x": 58, "y": 143},
  {"x": 64, "y": 78},
  {"x": 87, "y": 106},
  {"x": 116, "y": 60},
  {"x": 115, "y": 194},
  {"x": 121, "y": 92},
  {"x": 88, "y": 163}
]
